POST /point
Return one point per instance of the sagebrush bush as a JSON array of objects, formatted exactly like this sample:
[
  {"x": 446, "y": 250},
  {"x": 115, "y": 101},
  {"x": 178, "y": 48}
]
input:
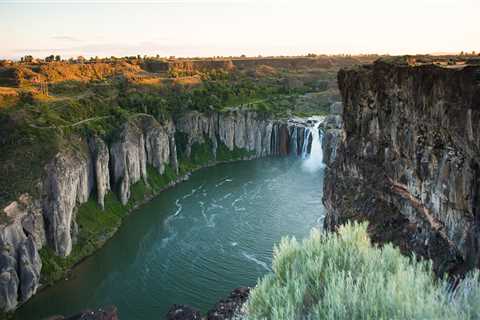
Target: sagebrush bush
[{"x": 343, "y": 276}]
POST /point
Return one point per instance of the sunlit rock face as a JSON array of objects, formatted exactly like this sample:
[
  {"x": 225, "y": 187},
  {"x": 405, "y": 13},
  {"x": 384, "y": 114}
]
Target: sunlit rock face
[
  {"x": 406, "y": 158},
  {"x": 101, "y": 158},
  {"x": 69, "y": 181}
]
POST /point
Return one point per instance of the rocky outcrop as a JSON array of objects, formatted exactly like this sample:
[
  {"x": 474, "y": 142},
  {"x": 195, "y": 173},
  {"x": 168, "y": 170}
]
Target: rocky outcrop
[
  {"x": 69, "y": 180},
  {"x": 101, "y": 158},
  {"x": 157, "y": 146},
  {"x": 183, "y": 312},
  {"x": 129, "y": 160},
  {"x": 407, "y": 159},
  {"x": 333, "y": 133},
  {"x": 108, "y": 313},
  {"x": 198, "y": 127},
  {"x": 21, "y": 236},
  {"x": 236, "y": 129},
  {"x": 230, "y": 308}
]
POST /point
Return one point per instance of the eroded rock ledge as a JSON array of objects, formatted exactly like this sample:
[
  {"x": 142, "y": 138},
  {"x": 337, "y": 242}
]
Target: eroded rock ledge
[
  {"x": 406, "y": 158},
  {"x": 93, "y": 168},
  {"x": 230, "y": 308}
]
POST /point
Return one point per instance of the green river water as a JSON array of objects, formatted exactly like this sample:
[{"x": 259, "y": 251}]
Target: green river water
[{"x": 194, "y": 243}]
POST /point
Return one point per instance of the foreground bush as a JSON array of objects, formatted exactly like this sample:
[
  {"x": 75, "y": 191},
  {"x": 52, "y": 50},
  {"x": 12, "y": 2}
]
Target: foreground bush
[{"x": 343, "y": 276}]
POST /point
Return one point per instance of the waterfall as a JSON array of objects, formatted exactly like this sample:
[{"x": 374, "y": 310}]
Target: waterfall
[
  {"x": 306, "y": 139},
  {"x": 313, "y": 160}
]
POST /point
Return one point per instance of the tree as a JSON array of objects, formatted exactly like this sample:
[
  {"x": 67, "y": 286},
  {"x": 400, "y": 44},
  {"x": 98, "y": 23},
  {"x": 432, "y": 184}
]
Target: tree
[
  {"x": 27, "y": 58},
  {"x": 50, "y": 58},
  {"x": 58, "y": 58}
]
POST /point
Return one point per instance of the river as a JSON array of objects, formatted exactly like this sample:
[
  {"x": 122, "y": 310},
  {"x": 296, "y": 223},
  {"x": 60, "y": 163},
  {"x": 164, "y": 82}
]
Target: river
[{"x": 194, "y": 243}]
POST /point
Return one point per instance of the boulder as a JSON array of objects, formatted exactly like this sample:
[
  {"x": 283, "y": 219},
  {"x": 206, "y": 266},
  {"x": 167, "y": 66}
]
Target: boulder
[{"x": 183, "y": 312}]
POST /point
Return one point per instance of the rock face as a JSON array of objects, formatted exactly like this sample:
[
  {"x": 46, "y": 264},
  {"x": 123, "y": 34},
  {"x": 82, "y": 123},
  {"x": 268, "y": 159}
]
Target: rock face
[
  {"x": 235, "y": 129},
  {"x": 406, "y": 158},
  {"x": 20, "y": 264},
  {"x": 101, "y": 158},
  {"x": 333, "y": 133},
  {"x": 69, "y": 181},
  {"x": 129, "y": 160},
  {"x": 108, "y": 313},
  {"x": 94, "y": 168},
  {"x": 183, "y": 312},
  {"x": 230, "y": 308}
]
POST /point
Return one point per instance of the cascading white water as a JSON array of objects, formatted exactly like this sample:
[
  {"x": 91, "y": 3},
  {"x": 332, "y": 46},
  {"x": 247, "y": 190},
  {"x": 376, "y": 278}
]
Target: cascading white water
[
  {"x": 306, "y": 138},
  {"x": 313, "y": 161}
]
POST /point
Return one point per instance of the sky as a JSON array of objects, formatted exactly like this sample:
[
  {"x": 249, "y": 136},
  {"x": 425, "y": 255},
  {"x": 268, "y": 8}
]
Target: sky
[{"x": 234, "y": 27}]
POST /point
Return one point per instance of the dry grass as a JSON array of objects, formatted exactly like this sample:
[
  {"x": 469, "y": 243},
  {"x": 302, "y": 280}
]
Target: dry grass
[{"x": 8, "y": 92}]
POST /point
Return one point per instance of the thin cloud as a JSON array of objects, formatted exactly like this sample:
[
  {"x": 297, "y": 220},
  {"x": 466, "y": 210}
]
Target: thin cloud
[{"x": 66, "y": 38}]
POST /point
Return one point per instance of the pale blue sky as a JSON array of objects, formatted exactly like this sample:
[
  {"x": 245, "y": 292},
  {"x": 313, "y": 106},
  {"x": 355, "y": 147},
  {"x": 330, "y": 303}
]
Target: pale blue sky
[{"x": 234, "y": 27}]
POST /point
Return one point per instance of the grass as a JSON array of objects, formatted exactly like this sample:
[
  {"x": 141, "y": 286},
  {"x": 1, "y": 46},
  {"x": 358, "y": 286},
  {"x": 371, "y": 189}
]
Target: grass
[
  {"x": 224, "y": 154},
  {"x": 343, "y": 276},
  {"x": 24, "y": 152},
  {"x": 201, "y": 154},
  {"x": 95, "y": 227},
  {"x": 158, "y": 182}
]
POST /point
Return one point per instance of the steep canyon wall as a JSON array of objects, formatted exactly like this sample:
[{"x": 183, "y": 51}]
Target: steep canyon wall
[{"x": 406, "y": 158}]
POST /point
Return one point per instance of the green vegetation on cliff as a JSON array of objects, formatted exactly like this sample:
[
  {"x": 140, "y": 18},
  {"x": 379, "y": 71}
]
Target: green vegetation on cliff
[
  {"x": 343, "y": 276},
  {"x": 95, "y": 227}
]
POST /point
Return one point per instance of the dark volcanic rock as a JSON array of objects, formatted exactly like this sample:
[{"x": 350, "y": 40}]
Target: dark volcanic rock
[
  {"x": 226, "y": 309},
  {"x": 407, "y": 159},
  {"x": 183, "y": 312}
]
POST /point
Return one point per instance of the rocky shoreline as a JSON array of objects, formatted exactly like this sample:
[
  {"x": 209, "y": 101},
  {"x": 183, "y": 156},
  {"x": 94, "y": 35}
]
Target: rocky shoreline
[{"x": 226, "y": 309}]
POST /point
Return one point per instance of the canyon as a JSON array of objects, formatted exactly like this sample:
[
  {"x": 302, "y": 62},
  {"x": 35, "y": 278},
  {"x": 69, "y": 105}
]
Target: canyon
[
  {"x": 401, "y": 152},
  {"x": 144, "y": 147}
]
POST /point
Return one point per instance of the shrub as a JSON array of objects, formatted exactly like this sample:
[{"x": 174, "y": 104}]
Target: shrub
[{"x": 342, "y": 276}]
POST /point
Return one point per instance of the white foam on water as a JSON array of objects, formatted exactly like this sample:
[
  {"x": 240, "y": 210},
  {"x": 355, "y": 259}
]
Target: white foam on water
[
  {"x": 259, "y": 262},
  {"x": 179, "y": 208},
  {"x": 211, "y": 221},
  {"x": 223, "y": 182},
  {"x": 166, "y": 240},
  {"x": 236, "y": 200}
]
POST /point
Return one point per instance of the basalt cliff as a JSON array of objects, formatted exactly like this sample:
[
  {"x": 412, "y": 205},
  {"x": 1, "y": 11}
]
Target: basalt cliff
[
  {"x": 405, "y": 156},
  {"x": 144, "y": 157}
]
